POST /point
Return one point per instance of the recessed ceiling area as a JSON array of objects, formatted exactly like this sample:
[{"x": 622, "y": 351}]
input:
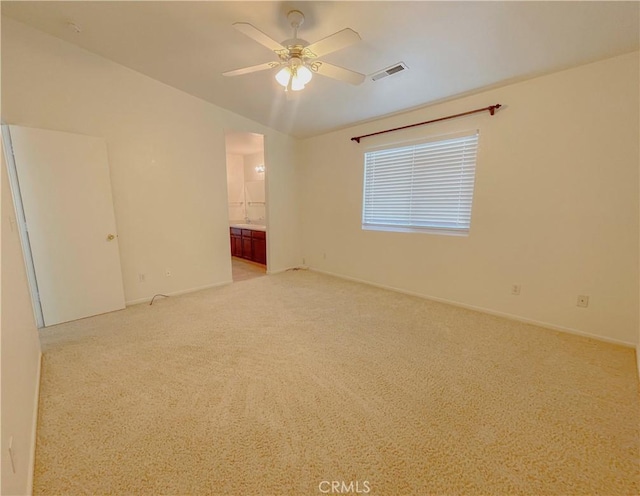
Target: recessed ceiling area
[{"x": 450, "y": 48}]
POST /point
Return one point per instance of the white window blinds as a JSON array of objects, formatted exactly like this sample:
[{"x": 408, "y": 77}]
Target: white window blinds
[{"x": 426, "y": 186}]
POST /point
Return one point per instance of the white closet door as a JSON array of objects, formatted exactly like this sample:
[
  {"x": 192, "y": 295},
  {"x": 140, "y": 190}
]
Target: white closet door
[{"x": 66, "y": 194}]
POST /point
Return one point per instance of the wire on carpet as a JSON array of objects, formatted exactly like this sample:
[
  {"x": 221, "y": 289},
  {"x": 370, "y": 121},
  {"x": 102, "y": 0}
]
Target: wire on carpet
[{"x": 155, "y": 296}]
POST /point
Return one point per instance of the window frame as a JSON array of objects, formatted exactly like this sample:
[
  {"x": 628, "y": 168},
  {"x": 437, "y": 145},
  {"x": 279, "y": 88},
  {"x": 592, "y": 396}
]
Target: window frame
[{"x": 449, "y": 231}]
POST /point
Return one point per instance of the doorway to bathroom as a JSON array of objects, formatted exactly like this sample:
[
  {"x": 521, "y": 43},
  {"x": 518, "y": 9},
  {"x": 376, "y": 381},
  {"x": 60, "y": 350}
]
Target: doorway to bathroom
[{"x": 247, "y": 205}]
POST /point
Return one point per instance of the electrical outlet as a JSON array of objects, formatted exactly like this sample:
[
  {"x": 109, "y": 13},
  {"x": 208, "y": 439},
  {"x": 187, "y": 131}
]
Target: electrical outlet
[
  {"x": 167, "y": 272},
  {"x": 304, "y": 262},
  {"x": 583, "y": 301},
  {"x": 515, "y": 289},
  {"x": 142, "y": 277},
  {"x": 324, "y": 256}
]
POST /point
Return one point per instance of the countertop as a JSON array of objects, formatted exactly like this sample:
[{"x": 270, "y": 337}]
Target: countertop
[{"x": 253, "y": 227}]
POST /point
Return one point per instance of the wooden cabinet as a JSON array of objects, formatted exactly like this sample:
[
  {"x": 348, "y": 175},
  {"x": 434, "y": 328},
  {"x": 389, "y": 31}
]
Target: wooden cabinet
[
  {"x": 259, "y": 242},
  {"x": 236, "y": 242},
  {"x": 249, "y": 244},
  {"x": 247, "y": 251}
]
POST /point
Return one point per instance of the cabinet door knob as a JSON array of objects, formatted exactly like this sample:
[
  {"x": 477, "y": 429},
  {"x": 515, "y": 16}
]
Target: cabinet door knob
[{"x": 111, "y": 237}]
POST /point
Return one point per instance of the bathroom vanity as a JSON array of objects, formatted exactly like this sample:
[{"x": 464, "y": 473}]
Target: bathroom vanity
[{"x": 249, "y": 241}]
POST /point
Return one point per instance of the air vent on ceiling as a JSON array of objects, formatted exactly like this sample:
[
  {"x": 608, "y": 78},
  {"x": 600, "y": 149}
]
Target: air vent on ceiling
[{"x": 390, "y": 71}]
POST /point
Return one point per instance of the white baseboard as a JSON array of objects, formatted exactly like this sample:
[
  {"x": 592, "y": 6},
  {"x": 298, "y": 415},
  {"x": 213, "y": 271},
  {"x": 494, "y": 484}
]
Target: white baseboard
[
  {"x": 147, "y": 299},
  {"x": 489, "y": 311},
  {"x": 280, "y": 271},
  {"x": 34, "y": 429}
]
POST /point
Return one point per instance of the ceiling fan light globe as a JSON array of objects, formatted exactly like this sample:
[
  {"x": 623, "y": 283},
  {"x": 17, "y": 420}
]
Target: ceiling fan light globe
[
  {"x": 283, "y": 76},
  {"x": 304, "y": 74},
  {"x": 297, "y": 84}
]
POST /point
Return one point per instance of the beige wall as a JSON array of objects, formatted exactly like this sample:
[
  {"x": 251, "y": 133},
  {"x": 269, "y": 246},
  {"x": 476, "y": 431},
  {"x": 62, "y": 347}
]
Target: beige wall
[
  {"x": 235, "y": 187},
  {"x": 167, "y": 158},
  {"x": 20, "y": 355},
  {"x": 284, "y": 239},
  {"x": 555, "y": 206},
  {"x": 254, "y": 182}
]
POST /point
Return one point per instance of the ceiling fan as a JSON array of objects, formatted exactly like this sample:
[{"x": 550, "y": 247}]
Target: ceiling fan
[{"x": 297, "y": 59}]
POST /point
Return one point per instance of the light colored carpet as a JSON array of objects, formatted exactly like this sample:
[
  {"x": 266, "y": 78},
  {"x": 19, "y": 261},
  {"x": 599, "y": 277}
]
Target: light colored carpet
[{"x": 276, "y": 384}]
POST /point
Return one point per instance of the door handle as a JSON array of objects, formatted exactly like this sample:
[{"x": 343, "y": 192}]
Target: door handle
[{"x": 111, "y": 237}]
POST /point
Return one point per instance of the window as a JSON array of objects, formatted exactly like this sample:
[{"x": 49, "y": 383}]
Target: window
[{"x": 426, "y": 186}]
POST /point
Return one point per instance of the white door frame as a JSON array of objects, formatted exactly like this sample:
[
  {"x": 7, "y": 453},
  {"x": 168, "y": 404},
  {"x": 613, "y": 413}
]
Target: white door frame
[{"x": 22, "y": 226}]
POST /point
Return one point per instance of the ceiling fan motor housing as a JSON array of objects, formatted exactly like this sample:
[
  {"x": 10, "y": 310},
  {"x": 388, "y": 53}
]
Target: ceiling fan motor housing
[
  {"x": 294, "y": 49},
  {"x": 295, "y": 18}
]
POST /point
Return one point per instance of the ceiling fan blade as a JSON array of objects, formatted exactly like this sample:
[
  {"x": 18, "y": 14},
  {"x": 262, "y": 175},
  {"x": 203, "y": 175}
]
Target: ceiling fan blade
[
  {"x": 336, "y": 41},
  {"x": 340, "y": 73},
  {"x": 253, "y": 68},
  {"x": 257, "y": 35}
]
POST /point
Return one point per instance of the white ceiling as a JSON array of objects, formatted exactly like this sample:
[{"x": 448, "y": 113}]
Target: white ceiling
[{"x": 451, "y": 48}]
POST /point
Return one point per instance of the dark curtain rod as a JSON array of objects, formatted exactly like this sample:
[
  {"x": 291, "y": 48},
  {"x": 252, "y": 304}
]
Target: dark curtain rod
[{"x": 492, "y": 110}]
